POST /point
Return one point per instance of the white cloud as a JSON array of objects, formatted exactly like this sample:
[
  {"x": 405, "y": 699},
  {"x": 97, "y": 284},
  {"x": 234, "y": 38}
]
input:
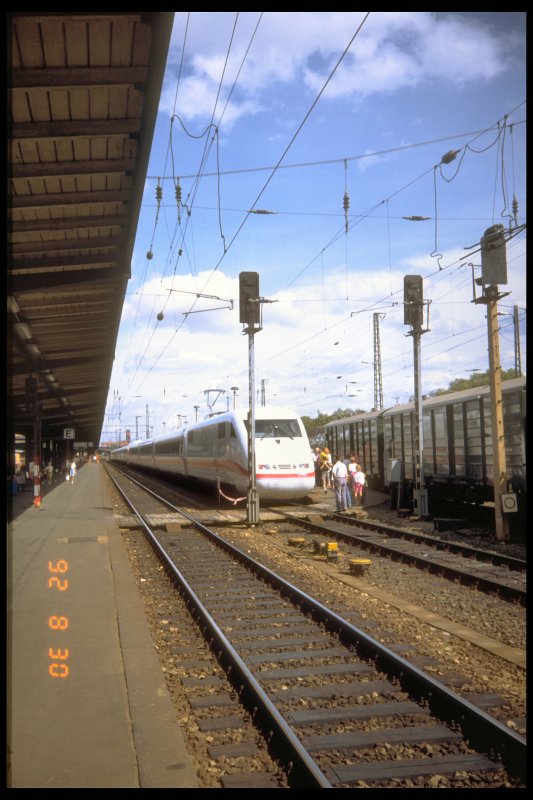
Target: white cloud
[
  {"x": 393, "y": 50},
  {"x": 322, "y": 325}
]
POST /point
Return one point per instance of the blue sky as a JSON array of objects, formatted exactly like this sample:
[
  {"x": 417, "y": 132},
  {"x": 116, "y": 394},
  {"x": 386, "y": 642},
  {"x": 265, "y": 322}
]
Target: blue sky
[{"x": 285, "y": 112}]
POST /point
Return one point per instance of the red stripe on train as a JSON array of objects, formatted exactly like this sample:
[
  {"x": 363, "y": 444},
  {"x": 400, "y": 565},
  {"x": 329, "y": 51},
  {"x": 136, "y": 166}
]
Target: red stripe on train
[{"x": 270, "y": 475}]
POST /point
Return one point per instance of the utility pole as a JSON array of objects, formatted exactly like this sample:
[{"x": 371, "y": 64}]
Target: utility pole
[
  {"x": 250, "y": 315},
  {"x": 493, "y": 272},
  {"x": 517, "y": 358},
  {"x": 414, "y": 316},
  {"x": 378, "y": 381}
]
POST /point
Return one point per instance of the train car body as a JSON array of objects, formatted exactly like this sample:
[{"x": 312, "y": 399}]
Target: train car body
[
  {"x": 216, "y": 451},
  {"x": 457, "y": 447},
  {"x": 361, "y": 435}
]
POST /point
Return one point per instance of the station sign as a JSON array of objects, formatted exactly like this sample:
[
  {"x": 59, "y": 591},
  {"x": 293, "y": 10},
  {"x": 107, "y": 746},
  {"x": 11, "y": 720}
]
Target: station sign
[{"x": 69, "y": 433}]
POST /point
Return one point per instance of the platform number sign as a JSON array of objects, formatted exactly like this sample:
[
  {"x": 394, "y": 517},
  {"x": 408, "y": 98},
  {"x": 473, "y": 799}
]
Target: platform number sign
[
  {"x": 58, "y": 623},
  {"x": 69, "y": 433}
]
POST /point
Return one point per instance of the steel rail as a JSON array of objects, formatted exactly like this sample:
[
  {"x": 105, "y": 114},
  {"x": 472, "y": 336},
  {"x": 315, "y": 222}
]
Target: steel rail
[
  {"x": 304, "y": 772},
  {"x": 515, "y": 564},
  {"x": 484, "y": 733},
  {"x": 510, "y": 593}
]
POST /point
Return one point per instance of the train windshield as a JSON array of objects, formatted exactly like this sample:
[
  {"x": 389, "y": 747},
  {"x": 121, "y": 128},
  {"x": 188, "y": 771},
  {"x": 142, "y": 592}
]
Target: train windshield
[{"x": 276, "y": 428}]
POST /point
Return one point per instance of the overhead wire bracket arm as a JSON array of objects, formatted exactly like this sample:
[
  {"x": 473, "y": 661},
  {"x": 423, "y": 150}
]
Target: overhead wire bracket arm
[{"x": 203, "y": 310}]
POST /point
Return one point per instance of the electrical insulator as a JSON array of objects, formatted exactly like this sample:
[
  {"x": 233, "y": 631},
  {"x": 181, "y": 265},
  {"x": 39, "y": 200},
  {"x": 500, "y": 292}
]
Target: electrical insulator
[
  {"x": 178, "y": 199},
  {"x": 413, "y": 300},
  {"x": 448, "y": 157},
  {"x": 159, "y": 192},
  {"x": 346, "y": 206},
  {"x": 515, "y": 210}
]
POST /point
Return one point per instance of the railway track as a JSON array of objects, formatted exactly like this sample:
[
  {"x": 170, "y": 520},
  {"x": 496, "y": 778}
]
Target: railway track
[
  {"x": 338, "y": 708},
  {"x": 447, "y": 545},
  {"x": 488, "y": 572}
]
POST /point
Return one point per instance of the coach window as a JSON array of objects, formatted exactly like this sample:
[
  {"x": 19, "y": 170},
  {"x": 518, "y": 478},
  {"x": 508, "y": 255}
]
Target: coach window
[
  {"x": 428, "y": 460},
  {"x": 407, "y": 442},
  {"x": 475, "y": 419},
  {"x": 440, "y": 445},
  {"x": 356, "y": 447}
]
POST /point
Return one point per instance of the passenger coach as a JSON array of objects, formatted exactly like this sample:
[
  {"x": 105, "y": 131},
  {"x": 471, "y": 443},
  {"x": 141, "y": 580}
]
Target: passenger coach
[
  {"x": 216, "y": 451},
  {"x": 457, "y": 452}
]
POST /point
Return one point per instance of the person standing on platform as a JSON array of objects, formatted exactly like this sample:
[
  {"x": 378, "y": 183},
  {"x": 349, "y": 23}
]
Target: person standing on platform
[
  {"x": 325, "y": 469},
  {"x": 340, "y": 474},
  {"x": 348, "y": 491},
  {"x": 49, "y": 469},
  {"x": 359, "y": 483},
  {"x": 316, "y": 462},
  {"x": 352, "y": 469},
  {"x": 12, "y": 485},
  {"x": 72, "y": 473}
]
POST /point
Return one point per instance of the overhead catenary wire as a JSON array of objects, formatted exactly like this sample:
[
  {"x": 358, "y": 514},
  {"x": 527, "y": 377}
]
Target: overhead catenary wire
[
  {"x": 178, "y": 82},
  {"x": 198, "y": 176},
  {"x": 269, "y": 179},
  {"x": 358, "y": 157},
  {"x": 204, "y": 155},
  {"x": 281, "y": 166},
  {"x": 369, "y": 307}
]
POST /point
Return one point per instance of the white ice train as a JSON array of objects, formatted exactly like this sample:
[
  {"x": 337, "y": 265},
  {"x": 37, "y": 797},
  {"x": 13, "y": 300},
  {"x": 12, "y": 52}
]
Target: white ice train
[{"x": 216, "y": 451}]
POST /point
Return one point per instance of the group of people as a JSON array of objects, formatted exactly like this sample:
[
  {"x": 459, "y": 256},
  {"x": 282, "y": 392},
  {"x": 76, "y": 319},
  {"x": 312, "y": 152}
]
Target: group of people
[
  {"x": 345, "y": 476},
  {"x": 68, "y": 469},
  {"x": 20, "y": 478}
]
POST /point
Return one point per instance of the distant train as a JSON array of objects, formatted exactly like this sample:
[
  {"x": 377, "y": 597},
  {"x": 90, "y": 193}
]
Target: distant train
[
  {"x": 457, "y": 452},
  {"x": 216, "y": 451}
]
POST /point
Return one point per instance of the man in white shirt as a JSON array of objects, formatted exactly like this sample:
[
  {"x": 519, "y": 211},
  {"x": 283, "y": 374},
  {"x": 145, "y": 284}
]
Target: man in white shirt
[{"x": 340, "y": 473}]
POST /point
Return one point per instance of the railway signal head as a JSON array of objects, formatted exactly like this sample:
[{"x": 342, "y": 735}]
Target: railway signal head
[
  {"x": 494, "y": 256},
  {"x": 413, "y": 300},
  {"x": 249, "y": 305}
]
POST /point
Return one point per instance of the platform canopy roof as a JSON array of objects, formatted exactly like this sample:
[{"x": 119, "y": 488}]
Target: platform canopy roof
[{"x": 83, "y": 93}]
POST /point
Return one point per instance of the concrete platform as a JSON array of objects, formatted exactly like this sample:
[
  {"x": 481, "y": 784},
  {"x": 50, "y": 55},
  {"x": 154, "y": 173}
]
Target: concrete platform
[
  {"x": 316, "y": 503},
  {"x": 88, "y": 706}
]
